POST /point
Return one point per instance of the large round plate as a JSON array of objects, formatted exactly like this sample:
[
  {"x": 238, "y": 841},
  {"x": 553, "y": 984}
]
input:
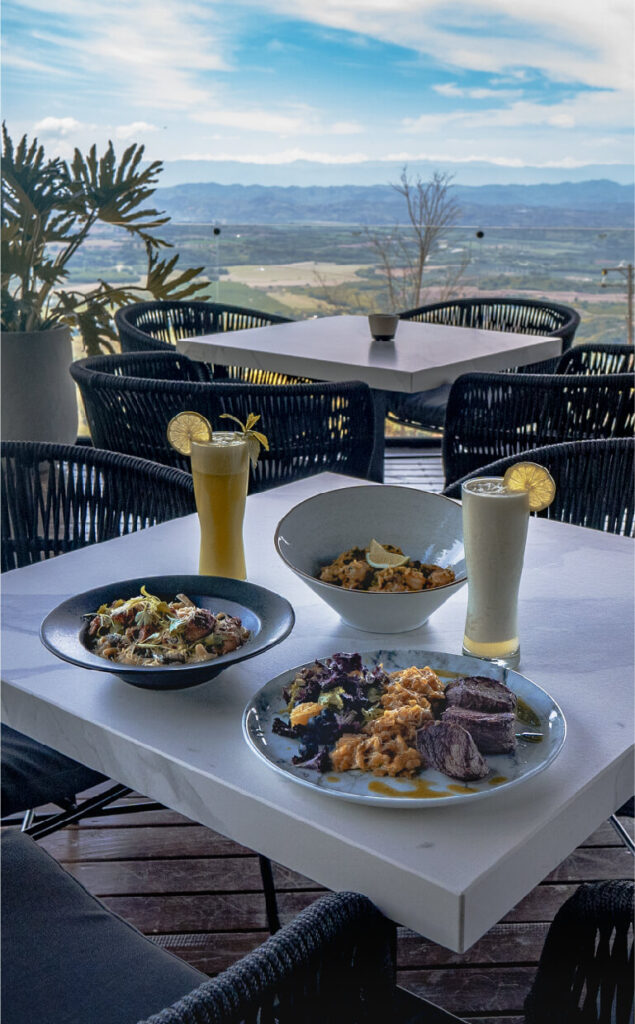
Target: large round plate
[
  {"x": 430, "y": 788},
  {"x": 268, "y": 616}
]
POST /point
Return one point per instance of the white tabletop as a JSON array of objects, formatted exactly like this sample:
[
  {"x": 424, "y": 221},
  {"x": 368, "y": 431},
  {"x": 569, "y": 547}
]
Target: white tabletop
[
  {"x": 448, "y": 872},
  {"x": 422, "y": 356}
]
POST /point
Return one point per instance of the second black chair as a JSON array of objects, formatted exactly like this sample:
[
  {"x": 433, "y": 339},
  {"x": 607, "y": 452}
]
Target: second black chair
[
  {"x": 597, "y": 358},
  {"x": 157, "y": 326},
  {"x": 311, "y": 428},
  {"x": 493, "y": 415},
  {"x": 594, "y": 482},
  {"x": 58, "y": 498},
  {"x": 426, "y": 409}
]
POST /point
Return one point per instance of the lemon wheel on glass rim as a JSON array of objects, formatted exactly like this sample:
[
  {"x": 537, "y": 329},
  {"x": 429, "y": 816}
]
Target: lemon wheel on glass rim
[
  {"x": 186, "y": 427},
  {"x": 536, "y": 480}
]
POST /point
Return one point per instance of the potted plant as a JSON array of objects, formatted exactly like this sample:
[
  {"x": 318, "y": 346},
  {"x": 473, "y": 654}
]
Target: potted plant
[{"x": 49, "y": 208}]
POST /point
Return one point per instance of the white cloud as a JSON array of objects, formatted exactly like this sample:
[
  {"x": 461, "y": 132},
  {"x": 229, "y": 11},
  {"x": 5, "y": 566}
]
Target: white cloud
[
  {"x": 301, "y": 120},
  {"x": 285, "y": 156},
  {"x": 454, "y": 90},
  {"x": 588, "y": 109},
  {"x": 148, "y": 52},
  {"x": 58, "y": 126},
  {"x": 253, "y": 120},
  {"x": 20, "y": 63},
  {"x": 134, "y": 130},
  {"x": 567, "y": 40},
  {"x": 346, "y": 128}
]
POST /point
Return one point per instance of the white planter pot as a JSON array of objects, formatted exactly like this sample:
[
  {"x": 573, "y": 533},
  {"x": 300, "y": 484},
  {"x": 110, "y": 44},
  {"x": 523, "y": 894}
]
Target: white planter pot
[{"x": 39, "y": 400}]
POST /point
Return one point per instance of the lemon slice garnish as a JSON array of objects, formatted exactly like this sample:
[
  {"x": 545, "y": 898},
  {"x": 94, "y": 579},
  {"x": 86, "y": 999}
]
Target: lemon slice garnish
[
  {"x": 186, "y": 427},
  {"x": 380, "y": 558},
  {"x": 536, "y": 480}
]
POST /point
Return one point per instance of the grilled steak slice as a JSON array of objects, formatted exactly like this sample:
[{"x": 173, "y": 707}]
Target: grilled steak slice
[
  {"x": 493, "y": 734},
  {"x": 480, "y": 694},
  {"x": 450, "y": 749}
]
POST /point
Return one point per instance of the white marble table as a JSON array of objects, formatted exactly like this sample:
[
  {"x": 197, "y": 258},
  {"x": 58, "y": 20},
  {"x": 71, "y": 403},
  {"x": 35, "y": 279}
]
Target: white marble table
[
  {"x": 448, "y": 872},
  {"x": 422, "y": 356}
]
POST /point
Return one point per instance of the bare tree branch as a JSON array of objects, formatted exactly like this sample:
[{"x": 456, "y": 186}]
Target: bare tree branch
[{"x": 403, "y": 252}]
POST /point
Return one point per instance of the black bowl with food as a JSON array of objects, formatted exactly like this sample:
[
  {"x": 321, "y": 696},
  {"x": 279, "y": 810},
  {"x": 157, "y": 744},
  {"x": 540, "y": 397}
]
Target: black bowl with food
[{"x": 167, "y": 632}]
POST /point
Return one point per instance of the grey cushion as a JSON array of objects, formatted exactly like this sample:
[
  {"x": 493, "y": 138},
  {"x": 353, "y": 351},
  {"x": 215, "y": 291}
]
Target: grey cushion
[
  {"x": 66, "y": 959},
  {"x": 426, "y": 408},
  {"x": 33, "y": 774}
]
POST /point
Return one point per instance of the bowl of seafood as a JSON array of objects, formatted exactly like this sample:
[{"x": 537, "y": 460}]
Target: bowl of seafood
[
  {"x": 167, "y": 632},
  {"x": 383, "y": 558}
]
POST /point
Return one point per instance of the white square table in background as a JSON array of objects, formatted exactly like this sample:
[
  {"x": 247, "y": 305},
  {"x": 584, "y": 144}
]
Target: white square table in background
[
  {"x": 448, "y": 872},
  {"x": 421, "y": 357}
]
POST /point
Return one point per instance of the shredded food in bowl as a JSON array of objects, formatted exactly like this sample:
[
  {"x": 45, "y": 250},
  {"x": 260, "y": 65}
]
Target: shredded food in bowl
[{"x": 146, "y": 630}]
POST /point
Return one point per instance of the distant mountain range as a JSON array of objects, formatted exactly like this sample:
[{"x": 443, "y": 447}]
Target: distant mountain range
[
  {"x": 380, "y": 172},
  {"x": 600, "y": 203}
]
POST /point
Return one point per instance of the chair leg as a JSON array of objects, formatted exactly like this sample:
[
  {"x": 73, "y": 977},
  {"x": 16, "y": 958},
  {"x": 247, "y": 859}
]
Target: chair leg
[
  {"x": 622, "y": 833},
  {"x": 27, "y": 820},
  {"x": 55, "y": 821},
  {"x": 269, "y": 889}
]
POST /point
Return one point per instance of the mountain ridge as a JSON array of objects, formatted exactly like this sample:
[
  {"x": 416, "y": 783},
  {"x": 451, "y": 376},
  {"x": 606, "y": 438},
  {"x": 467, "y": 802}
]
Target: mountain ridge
[{"x": 593, "y": 203}]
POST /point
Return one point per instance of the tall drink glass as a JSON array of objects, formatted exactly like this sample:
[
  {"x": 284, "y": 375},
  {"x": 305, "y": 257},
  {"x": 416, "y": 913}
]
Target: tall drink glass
[
  {"x": 220, "y": 469},
  {"x": 494, "y": 532}
]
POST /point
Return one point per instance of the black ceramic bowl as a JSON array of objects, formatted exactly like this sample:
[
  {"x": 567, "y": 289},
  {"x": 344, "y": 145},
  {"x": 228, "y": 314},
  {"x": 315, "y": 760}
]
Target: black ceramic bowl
[{"x": 267, "y": 616}]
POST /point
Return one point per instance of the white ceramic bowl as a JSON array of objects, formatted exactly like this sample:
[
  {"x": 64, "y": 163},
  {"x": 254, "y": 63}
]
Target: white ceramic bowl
[{"x": 424, "y": 525}]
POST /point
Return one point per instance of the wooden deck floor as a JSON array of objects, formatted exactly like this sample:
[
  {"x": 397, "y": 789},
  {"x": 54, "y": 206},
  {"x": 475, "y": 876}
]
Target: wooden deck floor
[
  {"x": 417, "y": 467},
  {"x": 199, "y": 894}
]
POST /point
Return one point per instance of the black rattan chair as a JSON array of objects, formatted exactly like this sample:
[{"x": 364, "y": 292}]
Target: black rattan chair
[
  {"x": 311, "y": 428},
  {"x": 154, "y": 326},
  {"x": 67, "y": 958},
  {"x": 597, "y": 358},
  {"x": 585, "y": 974},
  {"x": 594, "y": 482},
  {"x": 493, "y": 415},
  {"x": 57, "y": 498},
  {"x": 426, "y": 409}
]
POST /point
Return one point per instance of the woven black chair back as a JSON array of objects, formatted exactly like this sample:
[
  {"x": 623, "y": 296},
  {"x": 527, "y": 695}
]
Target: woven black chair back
[
  {"x": 492, "y": 415},
  {"x": 495, "y": 313},
  {"x": 597, "y": 358},
  {"x": 144, "y": 324},
  {"x": 521, "y": 316},
  {"x": 57, "y": 498},
  {"x": 157, "y": 326},
  {"x": 311, "y": 428},
  {"x": 594, "y": 482},
  {"x": 585, "y": 974}
]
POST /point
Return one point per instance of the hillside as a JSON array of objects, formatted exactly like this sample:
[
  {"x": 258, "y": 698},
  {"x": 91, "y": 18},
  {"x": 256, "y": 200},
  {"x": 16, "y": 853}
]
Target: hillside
[{"x": 600, "y": 203}]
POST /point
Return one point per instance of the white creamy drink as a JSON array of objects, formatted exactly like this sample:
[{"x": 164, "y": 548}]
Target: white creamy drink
[{"x": 494, "y": 532}]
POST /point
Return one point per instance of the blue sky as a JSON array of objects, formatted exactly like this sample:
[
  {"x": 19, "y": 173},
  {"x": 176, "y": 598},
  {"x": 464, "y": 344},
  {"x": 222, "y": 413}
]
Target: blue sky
[{"x": 514, "y": 82}]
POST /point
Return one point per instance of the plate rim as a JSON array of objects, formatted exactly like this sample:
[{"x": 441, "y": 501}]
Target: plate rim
[
  {"x": 410, "y": 803},
  {"x": 102, "y": 665}
]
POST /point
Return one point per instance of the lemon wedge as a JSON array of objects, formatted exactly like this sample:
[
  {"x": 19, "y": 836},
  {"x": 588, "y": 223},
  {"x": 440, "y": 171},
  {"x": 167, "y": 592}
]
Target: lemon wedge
[
  {"x": 186, "y": 427},
  {"x": 379, "y": 558},
  {"x": 536, "y": 480}
]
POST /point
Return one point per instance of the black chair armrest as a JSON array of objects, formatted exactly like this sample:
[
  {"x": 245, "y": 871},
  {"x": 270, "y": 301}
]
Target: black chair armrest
[{"x": 333, "y": 962}]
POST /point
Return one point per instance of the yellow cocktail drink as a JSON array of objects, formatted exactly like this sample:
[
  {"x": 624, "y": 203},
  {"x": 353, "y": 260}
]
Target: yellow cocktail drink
[
  {"x": 495, "y": 521},
  {"x": 220, "y": 468}
]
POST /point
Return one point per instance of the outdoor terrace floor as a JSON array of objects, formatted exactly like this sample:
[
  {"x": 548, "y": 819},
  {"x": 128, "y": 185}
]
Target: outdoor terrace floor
[
  {"x": 417, "y": 467},
  {"x": 199, "y": 894}
]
